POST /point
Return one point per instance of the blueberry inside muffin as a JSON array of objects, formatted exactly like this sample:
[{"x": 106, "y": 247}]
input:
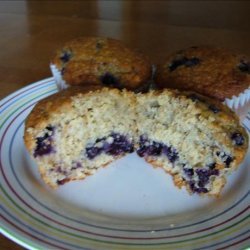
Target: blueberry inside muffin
[{"x": 196, "y": 139}]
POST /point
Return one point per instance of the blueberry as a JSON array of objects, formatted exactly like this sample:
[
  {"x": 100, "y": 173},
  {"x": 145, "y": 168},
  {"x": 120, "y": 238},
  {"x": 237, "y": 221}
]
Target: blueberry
[
  {"x": 201, "y": 190},
  {"x": 204, "y": 175},
  {"x": 183, "y": 61},
  {"x": 171, "y": 153},
  {"x": 201, "y": 183},
  {"x": 192, "y": 185},
  {"x": 50, "y": 128},
  {"x": 113, "y": 150},
  {"x": 197, "y": 189},
  {"x": 175, "y": 64},
  {"x": 237, "y": 138},
  {"x": 154, "y": 149},
  {"x": 43, "y": 149},
  {"x": 192, "y": 62},
  {"x": 43, "y": 143},
  {"x": 66, "y": 56},
  {"x": 119, "y": 145},
  {"x": 109, "y": 79},
  {"x": 189, "y": 172},
  {"x": 214, "y": 108},
  {"x": 92, "y": 152},
  {"x": 244, "y": 67},
  {"x": 120, "y": 142},
  {"x": 149, "y": 148},
  {"x": 106, "y": 146},
  {"x": 214, "y": 172},
  {"x": 228, "y": 161},
  {"x": 142, "y": 151}
]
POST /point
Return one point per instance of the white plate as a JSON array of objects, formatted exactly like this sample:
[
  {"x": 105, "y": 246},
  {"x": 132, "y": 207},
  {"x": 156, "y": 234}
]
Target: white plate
[{"x": 127, "y": 205}]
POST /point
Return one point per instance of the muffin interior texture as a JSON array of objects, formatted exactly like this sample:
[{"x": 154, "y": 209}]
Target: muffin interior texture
[
  {"x": 184, "y": 137},
  {"x": 98, "y": 129},
  {"x": 197, "y": 140}
]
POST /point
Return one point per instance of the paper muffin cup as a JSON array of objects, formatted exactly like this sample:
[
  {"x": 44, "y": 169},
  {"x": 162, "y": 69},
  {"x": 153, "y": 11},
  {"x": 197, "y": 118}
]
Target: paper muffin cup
[
  {"x": 238, "y": 103},
  {"x": 61, "y": 83},
  {"x": 56, "y": 73}
]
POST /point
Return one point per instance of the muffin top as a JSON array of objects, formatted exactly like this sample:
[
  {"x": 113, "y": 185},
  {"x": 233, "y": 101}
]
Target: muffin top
[
  {"x": 102, "y": 61},
  {"x": 210, "y": 71}
]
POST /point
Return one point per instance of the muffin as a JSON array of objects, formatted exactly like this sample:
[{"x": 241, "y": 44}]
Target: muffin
[
  {"x": 100, "y": 61},
  {"x": 74, "y": 132},
  {"x": 197, "y": 140},
  {"x": 210, "y": 71}
]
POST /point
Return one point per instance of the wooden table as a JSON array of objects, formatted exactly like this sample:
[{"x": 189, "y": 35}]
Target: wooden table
[{"x": 30, "y": 31}]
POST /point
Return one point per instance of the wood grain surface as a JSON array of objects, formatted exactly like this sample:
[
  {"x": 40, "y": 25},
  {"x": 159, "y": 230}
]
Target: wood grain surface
[{"x": 30, "y": 32}]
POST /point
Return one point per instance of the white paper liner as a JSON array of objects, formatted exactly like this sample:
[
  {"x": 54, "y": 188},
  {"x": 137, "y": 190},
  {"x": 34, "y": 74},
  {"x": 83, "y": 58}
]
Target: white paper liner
[
  {"x": 237, "y": 103},
  {"x": 61, "y": 84}
]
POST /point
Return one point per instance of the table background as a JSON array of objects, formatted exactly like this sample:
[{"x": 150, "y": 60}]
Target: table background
[{"x": 30, "y": 32}]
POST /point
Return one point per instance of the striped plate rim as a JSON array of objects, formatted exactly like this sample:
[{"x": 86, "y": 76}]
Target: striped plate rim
[{"x": 27, "y": 221}]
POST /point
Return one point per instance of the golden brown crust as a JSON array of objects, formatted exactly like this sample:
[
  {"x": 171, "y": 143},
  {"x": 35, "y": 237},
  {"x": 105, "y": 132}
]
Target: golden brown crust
[
  {"x": 217, "y": 74},
  {"x": 91, "y": 58}
]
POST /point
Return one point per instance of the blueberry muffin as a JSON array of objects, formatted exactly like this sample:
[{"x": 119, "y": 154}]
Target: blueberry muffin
[
  {"x": 100, "y": 61},
  {"x": 197, "y": 140},
  {"x": 74, "y": 132},
  {"x": 210, "y": 71}
]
